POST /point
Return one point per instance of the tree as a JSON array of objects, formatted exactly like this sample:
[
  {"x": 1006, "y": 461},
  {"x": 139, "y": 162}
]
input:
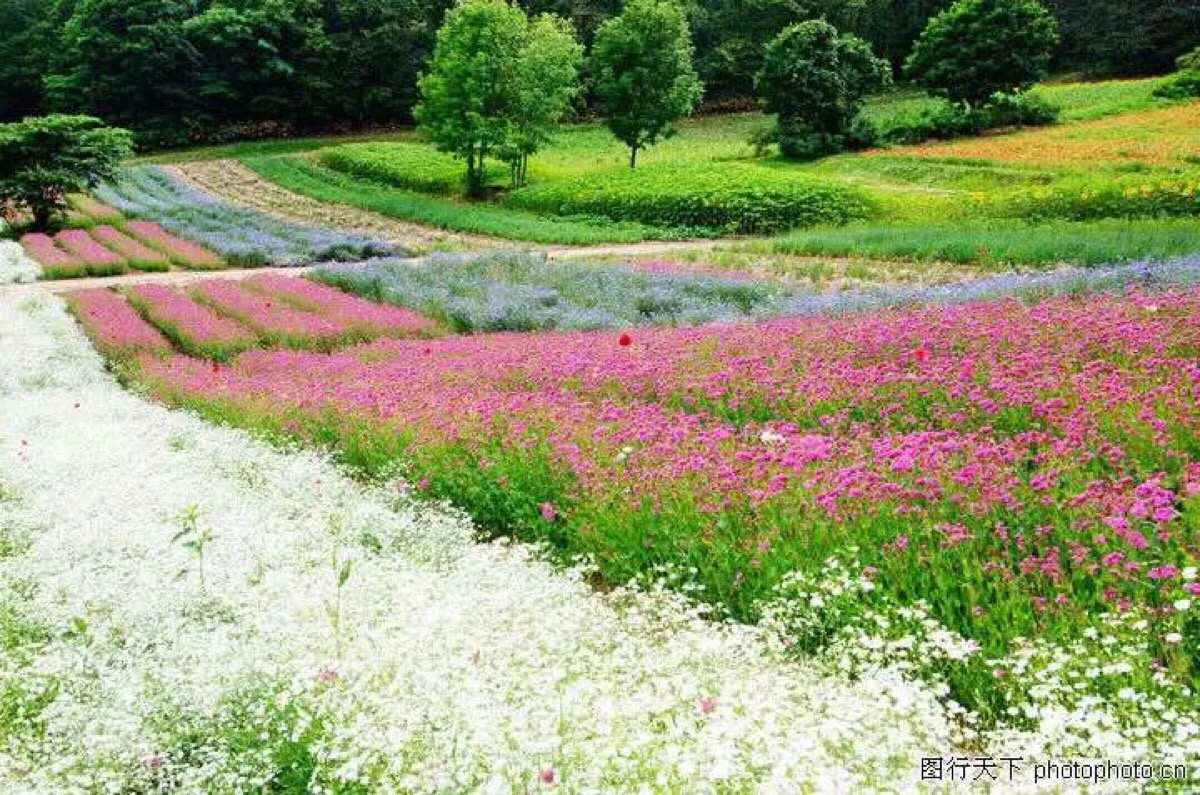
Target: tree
[
  {"x": 642, "y": 68},
  {"x": 977, "y": 48},
  {"x": 815, "y": 81},
  {"x": 43, "y": 159},
  {"x": 127, "y": 61},
  {"x": 547, "y": 80},
  {"x": 466, "y": 93}
]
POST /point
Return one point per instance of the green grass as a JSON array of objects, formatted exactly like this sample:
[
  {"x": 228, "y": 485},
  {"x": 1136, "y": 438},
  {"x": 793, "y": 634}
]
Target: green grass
[
  {"x": 269, "y": 148},
  {"x": 999, "y": 243},
  {"x": 325, "y": 185},
  {"x": 1086, "y": 101}
]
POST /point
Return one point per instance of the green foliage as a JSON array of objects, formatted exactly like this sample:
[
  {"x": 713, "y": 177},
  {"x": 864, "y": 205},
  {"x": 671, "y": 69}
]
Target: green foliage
[
  {"x": 726, "y": 197},
  {"x": 1088, "y": 198},
  {"x": 325, "y": 185},
  {"x": 466, "y": 93},
  {"x": 948, "y": 120},
  {"x": 998, "y": 244},
  {"x": 641, "y": 66},
  {"x": 1185, "y": 83},
  {"x": 43, "y": 159},
  {"x": 545, "y": 84},
  {"x": 497, "y": 84},
  {"x": 815, "y": 81},
  {"x": 1108, "y": 38},
  {"x": 977, "y": 48},
  {"x": 402, "y": 165}
]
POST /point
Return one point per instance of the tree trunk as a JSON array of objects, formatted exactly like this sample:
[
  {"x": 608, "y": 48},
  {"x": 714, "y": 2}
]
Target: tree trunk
[
  {"x": 42, "y": 215},
  {"x": 633, "y": 157}
]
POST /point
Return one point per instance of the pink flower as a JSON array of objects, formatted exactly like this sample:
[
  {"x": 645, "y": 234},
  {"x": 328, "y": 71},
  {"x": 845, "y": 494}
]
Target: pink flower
[
  {"x": 1162, "y": 573},
  {"x": 549, "y": 776},
  {"x": 708, "y": 705},
  {"x": 549, "y": 512}
]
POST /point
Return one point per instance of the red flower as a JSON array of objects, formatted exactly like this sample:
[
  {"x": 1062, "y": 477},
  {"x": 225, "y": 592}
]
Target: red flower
[
  {"x": 626, "y": 340},
  {"x": 921, "y": 355},
  {"x": 548, "y": 776}
]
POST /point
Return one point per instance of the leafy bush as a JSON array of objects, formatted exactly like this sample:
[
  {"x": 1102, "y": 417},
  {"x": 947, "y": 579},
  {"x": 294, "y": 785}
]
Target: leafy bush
[
  {"x": 410, "y": 166},
  {"x": 977, "y": 48},
  {"x": 816, "y": 81},
  {"x": 1185, "y": 83},
  {"x": 950, "y": 120},
  {"x": 732, "y": 197},
  {"x": 1161, "y": 198}
]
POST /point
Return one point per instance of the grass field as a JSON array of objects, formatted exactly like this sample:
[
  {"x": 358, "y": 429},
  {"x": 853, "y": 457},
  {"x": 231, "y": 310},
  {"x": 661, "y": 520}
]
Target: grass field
[{"x": 1122, "y": 161}]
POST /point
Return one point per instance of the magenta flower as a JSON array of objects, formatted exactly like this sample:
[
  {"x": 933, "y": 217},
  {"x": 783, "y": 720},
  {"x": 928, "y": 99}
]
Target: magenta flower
[{"x": 549, "y": 513}]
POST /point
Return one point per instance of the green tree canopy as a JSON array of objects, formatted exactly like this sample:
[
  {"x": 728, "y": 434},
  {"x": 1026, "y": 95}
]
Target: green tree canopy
[
  {"x": 977, "y": 48},
  {"x": 42, "y": 159},
  {"x": 642, "y": 70},
  {"x": 815, "y": 80}
]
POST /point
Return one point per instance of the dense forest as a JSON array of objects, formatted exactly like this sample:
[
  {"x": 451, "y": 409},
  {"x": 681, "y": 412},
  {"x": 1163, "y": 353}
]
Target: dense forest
[{"x": 179, "y": 71}]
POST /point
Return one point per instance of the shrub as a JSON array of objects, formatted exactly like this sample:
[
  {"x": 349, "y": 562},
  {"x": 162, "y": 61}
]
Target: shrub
[
  {"x": 44, "y": 159},
  {"x": 730, "y": 197},
  {"x": 815, "y": 81},
  {"x": 409, "y": 166},
  {"x": 1185, "y": 83},
  {"x": 977, "y": 48},
  {"x": 949, "y": 120}
]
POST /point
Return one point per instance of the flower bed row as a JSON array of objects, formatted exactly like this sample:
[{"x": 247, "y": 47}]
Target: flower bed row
[
  {"x": 219, "y": 319},
  {"x": 243, "y": 237},
  {"x": 1022, "y": 468},
  {"x": 106, "y": 251}
]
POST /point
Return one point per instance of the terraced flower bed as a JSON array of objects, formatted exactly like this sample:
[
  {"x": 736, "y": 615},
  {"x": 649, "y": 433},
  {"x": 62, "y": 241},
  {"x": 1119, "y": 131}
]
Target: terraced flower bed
[
  {"x": 105, "y": 250},
  {"x": 217, "y": 319}
]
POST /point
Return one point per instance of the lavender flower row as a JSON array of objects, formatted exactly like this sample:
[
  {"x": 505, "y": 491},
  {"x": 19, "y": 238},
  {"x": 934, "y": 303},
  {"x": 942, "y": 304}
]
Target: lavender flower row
[{"x": 244, "y": 237}]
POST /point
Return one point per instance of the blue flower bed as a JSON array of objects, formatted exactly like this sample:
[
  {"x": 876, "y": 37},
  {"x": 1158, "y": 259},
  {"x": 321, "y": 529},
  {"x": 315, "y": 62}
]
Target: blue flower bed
[{"x": 243, "y": 237}]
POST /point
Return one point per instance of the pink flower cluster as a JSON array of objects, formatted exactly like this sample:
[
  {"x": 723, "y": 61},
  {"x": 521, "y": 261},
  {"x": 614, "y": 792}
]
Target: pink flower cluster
[
  {"x": 196, "y": 328},
  {"x": 271, "y": 317},
  {"x": 56, "y": 263},
  {"x": 1027, "y": 449},
  {"x": 98, "y": 259},
  {"x": 182, "y": 252},
  {"x": 114, "y": 324},
  {"x": 358, "y": 313},
  {"x": 138, "y": 255},
  {"x": 217, "y": 319}
]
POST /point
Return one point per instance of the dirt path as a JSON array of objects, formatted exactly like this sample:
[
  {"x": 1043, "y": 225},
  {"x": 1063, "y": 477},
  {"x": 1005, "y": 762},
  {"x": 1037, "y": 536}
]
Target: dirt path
[{"x": 170, "y": 277}]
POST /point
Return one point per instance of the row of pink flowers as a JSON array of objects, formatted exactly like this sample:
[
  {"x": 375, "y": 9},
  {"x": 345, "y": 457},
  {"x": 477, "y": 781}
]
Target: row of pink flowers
[
  {"x": 98, "y": 259},
  {"x": 114, "y": 324},
  {"x": 1020, "y": 446},
  {"x": 269, "y": 316},
  {"x": 183, "y": 252},
  {"x": 358, "y": 313},
  {"x": 56, "y": 263},
  {"x": 196, "y": 328},
  {"x": 137, "y": 254}
]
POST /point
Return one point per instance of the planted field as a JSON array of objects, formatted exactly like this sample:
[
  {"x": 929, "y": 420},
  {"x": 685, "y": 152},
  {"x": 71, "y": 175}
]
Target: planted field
[
  {"x": 217, "y": 319},
  {"x": 509, "y": 291},
  {"x": 243, "y": 238},
  {"x": 1018, "y": 468},
  {"x": 104, "y": 250}
]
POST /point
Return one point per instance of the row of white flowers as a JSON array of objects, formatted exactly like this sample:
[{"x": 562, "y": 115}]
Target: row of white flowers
[
  {"x": 15, "y": 266},
  {"x": 184, "y": 608}
]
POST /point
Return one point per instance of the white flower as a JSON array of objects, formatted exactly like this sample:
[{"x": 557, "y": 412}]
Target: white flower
[
  {"x": 769, "y": 437},
  {"x": 1172, "y": 637},
  {"x": 1183, "y": 604}
]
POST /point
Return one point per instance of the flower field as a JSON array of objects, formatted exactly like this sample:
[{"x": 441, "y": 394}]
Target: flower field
[
  {"x": 109, "y": 251},
  {"x": 218, "y": 319},
  {"x": 242, "y": 237},
  {"x": 330, "y": 636},
  {"x": 996, "y": 496}
]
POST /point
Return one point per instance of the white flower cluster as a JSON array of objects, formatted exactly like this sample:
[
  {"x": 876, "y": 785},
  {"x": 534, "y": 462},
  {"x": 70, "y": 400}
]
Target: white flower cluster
[
  {"x": 15, "y": 266},
  {"x": 188, "y": 609},
  {"x": 1097, "y": 698}
]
